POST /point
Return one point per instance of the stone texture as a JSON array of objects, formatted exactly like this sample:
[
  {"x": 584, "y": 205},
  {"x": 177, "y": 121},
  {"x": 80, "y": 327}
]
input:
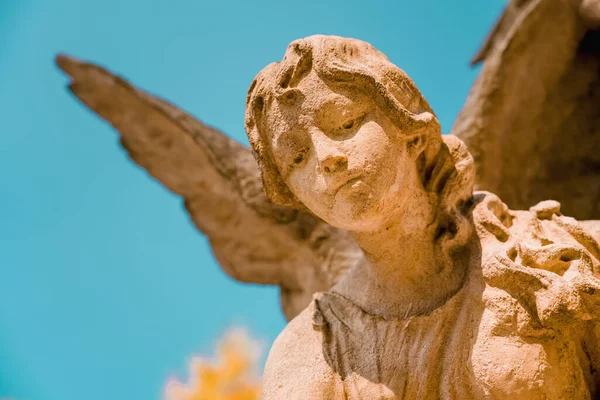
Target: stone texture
[{"x": 457, "y": 296}]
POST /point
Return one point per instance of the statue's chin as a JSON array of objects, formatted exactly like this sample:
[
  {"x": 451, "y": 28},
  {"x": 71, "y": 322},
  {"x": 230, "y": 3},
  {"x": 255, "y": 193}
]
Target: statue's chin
[{"x": 357, "y": 209}]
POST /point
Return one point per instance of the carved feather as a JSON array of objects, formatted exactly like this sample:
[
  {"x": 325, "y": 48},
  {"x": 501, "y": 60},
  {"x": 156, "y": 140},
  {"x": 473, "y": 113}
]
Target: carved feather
[{"x": 219, "y": 181}]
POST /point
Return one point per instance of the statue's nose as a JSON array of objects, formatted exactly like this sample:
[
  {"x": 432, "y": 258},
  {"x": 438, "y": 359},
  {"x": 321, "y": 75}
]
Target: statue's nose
[{"x": 334, "y": 163}]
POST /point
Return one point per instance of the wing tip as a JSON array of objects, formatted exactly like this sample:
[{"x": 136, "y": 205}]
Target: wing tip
[
  {"x": 67, "y": 64},
  {"x": 477, "y": 59},
  {"x": 80, "y": 71}
]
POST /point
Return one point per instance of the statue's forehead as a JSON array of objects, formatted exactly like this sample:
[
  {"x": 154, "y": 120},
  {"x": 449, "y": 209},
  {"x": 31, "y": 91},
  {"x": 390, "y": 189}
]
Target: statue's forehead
[
  {"x": 330, "y": 105},
  {"x": 315, "y": 100},
  {"x": 312, "y": 110},
  {"x": 317, "y": 104}
]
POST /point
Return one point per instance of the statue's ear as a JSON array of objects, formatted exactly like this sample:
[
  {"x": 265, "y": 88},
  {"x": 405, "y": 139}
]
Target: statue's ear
[
  {"x": 416, "y": 145},
  {"x": 419, "y": 141}
]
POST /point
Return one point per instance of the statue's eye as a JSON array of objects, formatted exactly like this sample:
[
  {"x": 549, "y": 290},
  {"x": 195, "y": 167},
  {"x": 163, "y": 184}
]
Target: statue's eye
[
  {"x": 292, "y": 148},
  {"x": 298, "y": 157},
  {"x": 353, "y": 123},
  {"x": 349, "y": 125}
]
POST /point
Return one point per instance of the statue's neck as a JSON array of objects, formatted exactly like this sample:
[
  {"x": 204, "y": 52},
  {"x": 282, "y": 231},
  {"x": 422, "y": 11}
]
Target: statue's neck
[{"x": 405, "y": 271}]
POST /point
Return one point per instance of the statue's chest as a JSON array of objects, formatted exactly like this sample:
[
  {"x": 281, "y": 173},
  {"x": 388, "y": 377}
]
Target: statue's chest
[{"x": 454, "y": 353}]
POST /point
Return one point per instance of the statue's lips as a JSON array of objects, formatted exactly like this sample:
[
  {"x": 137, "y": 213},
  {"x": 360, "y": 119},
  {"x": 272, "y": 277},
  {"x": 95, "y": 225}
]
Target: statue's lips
[{"x": 347, "y": 183}]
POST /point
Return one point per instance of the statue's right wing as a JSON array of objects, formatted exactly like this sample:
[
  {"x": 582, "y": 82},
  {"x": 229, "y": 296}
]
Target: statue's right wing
[{"x": 219, "y": 180}]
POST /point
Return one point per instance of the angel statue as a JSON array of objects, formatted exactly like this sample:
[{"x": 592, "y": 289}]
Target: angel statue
[
  {"x": 456, "y": 296},
  {"x": 400, "y": 280}
]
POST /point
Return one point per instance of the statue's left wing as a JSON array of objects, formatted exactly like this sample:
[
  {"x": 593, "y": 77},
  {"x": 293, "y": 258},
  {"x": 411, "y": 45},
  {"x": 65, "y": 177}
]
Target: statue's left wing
[
  {"x": 531, "y": 120},
  {"x": 219, "y": 181}
]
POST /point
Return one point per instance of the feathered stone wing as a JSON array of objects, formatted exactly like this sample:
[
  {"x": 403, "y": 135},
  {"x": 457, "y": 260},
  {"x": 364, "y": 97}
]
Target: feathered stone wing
[
  {"x": 219, "y": 181},
  {"x": 532, "y": 119}
]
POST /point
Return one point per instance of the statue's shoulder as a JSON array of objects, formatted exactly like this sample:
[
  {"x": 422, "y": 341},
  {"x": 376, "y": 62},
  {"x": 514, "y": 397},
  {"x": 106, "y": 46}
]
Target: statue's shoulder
[{"x": 297, "y": 359}]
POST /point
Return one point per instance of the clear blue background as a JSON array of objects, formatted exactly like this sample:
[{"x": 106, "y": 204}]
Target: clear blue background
[{"x": 106, "y": 288}]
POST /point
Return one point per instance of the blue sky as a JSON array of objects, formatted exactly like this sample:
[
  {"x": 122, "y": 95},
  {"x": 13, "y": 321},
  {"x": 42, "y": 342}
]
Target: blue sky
[{"x": 106, "y": 288}]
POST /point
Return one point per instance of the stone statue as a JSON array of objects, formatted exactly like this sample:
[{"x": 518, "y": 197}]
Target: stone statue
[
  {"x": 253, "y": 239},
  {"x": 457, "y": 296},
  {"x": 549, "y": 153},
  {"x": 425, "y": 289}
]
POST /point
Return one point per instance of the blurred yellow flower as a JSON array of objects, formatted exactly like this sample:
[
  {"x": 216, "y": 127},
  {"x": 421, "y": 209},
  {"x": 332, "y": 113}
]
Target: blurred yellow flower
[{"x": 232, "y": 376}]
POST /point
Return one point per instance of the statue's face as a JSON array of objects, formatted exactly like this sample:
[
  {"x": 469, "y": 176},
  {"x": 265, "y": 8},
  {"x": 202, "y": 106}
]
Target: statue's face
[{"x": 340, "y": 155}]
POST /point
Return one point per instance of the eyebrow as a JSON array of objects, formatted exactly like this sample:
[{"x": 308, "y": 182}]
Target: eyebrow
[
  {"x": 290, "y": 97},
  {"x": 330, "y": 112}
]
